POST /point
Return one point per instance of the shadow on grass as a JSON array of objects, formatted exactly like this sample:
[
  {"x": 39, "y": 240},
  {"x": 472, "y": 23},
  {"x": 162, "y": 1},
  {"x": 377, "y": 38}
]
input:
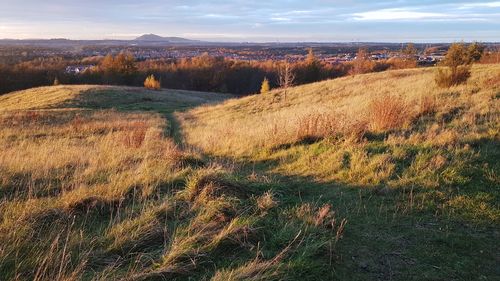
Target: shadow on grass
[{"x": 388, "y": 236}]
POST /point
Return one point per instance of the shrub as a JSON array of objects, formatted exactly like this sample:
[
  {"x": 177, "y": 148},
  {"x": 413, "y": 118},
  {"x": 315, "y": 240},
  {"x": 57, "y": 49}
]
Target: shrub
[
  {"x": 458, "y": 61},
  {"x": 448, "y": 77},
  {"x": 387, "y": 113},
  {"x": 151, "y": 83},
  {"x": 265, "y": 87},
  {"x": 491, "y": 57},
  {"x": 475, "y": 51},
  {"x": 399, "y": 63},
  {"x": 362, "y": 64}
]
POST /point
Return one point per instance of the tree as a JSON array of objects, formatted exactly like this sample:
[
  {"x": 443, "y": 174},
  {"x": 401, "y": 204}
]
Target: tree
[
  {"x": 286, "y": 77},
  {"x": 457, "y": 55},
  {"x": 458, "y": 62},
  {"x": 151, "y": 83},
  {"x": 408, "y": 59},
  {"x": 475, "y": 51},
  {"x": 265, "y": 87},
  {"x": 119, "y": 69},
  {"x": 310, "y": 69},
  {"x": 107, "y": 64},
  {"x": 311, "y": 58},
  {"x": 125, "y": 64},
  {"x": 410, "y": 51},
  {"x": 362, "y": 63}
]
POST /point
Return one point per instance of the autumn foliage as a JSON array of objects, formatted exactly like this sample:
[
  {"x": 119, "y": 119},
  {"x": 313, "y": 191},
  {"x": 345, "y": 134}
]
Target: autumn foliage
[{"x": 151, "y": 83}]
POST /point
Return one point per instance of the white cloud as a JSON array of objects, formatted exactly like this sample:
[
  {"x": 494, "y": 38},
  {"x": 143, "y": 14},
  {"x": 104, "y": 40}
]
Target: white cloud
[
  {"x": 281, "y": 19},
  {"x": 480, "y": 5},
  {"x": 219, "y": 16},
  {"x": 397, "y": 14}
]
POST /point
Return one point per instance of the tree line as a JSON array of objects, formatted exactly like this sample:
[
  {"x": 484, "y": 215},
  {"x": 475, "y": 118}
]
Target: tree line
[{"x": 202, "y": 73}]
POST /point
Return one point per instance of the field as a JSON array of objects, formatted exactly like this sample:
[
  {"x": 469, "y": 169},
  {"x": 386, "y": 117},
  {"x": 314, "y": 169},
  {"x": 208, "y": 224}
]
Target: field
[{"x": 380, "y": 176}]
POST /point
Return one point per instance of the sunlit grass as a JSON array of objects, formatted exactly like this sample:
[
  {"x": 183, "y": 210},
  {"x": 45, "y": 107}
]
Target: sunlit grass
[{"x": 368, "y": 177}]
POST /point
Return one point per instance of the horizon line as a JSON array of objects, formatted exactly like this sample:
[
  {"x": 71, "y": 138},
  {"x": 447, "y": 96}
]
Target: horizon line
[{"x": 195, "y": 41}]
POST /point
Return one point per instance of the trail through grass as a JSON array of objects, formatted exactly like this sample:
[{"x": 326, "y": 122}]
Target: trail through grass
[{"x": 373, "y": 177}]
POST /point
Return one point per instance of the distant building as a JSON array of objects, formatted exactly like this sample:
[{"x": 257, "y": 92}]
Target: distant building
[{"x": 78, "y": 69}]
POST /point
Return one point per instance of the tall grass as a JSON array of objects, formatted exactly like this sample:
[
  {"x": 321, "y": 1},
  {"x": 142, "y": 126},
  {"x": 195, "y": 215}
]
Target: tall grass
[
  {"x": 388, "y": 113},
  {"x": 92, "y": 193}
]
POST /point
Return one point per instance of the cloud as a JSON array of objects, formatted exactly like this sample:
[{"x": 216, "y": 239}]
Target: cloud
[
  {"x": 280, "y": 19},
  {"x": 477, "y": 12},
  {"x": 219, "y": 16},
  {"x": 397, "y": 14},
  {"x": 259, "y": 19},
  {"x": 480, "y": 5}
]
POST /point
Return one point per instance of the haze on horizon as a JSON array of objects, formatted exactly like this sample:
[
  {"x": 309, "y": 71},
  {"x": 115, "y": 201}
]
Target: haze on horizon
[{"x": 259, "y": 21}]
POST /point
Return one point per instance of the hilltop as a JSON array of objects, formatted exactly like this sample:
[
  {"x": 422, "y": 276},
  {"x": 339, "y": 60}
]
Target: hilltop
[
  {"x": 102, "y": 97},
  {"x": 157, "y": 38},
  {"x": 369, "y": 177}
]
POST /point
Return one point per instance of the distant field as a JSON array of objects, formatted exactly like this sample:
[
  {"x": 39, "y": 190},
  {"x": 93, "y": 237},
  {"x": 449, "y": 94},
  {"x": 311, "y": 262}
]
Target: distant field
[{"x": 380, "y": 176}]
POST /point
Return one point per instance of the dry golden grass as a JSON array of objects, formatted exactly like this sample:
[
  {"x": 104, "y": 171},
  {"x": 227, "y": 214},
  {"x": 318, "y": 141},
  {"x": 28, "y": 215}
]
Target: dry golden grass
[
  {"x": 391, "y": 141},
  {"x": 381, "y": 101},
  {"x": 66, "y": 167},
  {"x": 93, "y": 187},
  {"x": 388, "y": 113},
  {"x": 58, "y": 166}
]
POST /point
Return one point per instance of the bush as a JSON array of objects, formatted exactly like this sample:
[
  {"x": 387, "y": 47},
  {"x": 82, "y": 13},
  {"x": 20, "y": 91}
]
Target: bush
[
  {"x": 458, "y": 60},
  {"x": 265, "y": 87},
  {"x": 362, "y": 64},
  {"x": 151, "y": 83},
  {"x": 399, "y": 63},
  {"x": 388, "y": 113},
  {"x": 452, "y": 76}
]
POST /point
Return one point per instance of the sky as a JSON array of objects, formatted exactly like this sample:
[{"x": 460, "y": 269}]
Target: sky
[{"x": 254, "y": 20}]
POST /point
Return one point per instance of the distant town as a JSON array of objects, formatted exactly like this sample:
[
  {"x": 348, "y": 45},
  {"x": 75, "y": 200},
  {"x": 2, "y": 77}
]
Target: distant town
[
  {"x": 151, "y": 46},
  {"x": 237, "y": 68}
]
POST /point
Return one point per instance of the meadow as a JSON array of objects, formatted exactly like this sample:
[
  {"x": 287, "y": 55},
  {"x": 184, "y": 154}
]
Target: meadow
[{"x": 380, "y": 176}]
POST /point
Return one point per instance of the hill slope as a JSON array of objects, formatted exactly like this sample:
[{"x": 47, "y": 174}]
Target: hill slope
[
  {"x": 413, "y": 167},
  {"x": 95, "y": 185},
  {"x": 88, "y": 96},
  {"x": 374, "y": 177}
]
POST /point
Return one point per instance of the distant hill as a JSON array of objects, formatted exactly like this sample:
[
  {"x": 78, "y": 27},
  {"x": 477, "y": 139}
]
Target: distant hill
[{"x": 157, "y": 38}]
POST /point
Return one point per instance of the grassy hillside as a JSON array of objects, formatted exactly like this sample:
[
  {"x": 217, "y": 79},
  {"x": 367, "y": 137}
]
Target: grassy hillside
[
  {"x": 414, "y": 168},
  {"x": 373, "y": 177},
  {"x": 94, "y": 185}
]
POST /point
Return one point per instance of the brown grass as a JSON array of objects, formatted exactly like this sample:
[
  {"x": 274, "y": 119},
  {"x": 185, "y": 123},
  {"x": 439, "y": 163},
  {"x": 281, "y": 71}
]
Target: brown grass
[
  {"x": 493, "y": 81},
  {"x": 447, "y": 77},
  {"x": 388, "y": 112},
  {"x": 89, "y": 192},
  {"x": 341, "y": 107}
]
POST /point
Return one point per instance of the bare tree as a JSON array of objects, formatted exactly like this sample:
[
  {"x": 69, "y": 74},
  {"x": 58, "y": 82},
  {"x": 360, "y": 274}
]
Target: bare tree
[{"x": 286, "y": 77}]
